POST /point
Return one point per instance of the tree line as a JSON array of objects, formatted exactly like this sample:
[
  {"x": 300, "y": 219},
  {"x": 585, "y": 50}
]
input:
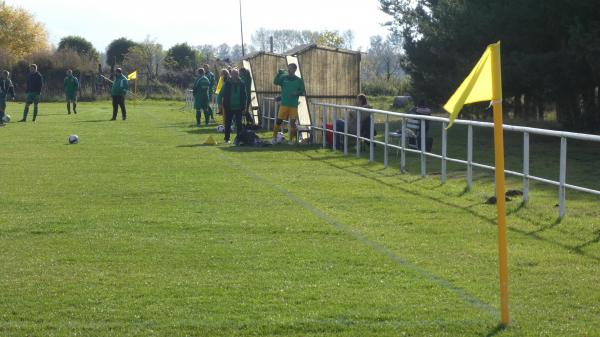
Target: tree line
[
  {"x": 165, "y": 73},
  {"x": 550, "y": 52}
]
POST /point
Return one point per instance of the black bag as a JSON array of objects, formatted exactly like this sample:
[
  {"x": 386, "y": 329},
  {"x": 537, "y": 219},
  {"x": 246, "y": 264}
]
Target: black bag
[{"x": 246, "y": 137}]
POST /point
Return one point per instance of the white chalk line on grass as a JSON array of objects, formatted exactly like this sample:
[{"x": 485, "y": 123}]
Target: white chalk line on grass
[{"x": 462, "y": 294}]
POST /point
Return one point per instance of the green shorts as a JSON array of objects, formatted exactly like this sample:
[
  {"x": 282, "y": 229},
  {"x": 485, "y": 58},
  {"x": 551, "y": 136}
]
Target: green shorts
[
  {"x": 200, "y": 103},
  {"x": 71, "y": 97},
  {"x": 33, "y": 97}
]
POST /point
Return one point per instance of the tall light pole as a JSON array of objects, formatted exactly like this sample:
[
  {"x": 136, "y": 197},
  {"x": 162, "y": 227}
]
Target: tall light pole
[{"x": 242, "y": 30}]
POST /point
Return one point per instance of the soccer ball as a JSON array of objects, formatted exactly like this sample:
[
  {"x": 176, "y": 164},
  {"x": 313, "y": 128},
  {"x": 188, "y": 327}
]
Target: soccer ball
[
  {"x": 280, "y": 137},
  {"x": 73, "y": 139},
  {"x": 220, "y": 128},
  {"x": 6, "y": 118}
]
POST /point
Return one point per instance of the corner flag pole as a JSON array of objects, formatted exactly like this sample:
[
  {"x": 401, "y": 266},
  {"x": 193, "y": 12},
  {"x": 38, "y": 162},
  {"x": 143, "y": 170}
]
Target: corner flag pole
[{"x": 500, "y": 184}]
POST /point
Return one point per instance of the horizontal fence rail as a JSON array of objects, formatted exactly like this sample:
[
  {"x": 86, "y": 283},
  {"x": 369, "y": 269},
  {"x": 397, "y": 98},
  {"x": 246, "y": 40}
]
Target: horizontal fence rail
[{"x": 321, "y": 111}]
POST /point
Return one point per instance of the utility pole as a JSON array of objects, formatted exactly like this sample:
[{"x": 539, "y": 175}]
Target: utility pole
[{"x": 242, "y": 30}]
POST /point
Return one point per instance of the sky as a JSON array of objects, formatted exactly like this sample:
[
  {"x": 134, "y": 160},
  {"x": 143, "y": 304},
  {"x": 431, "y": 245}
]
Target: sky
[{"x": 201, "y": 22}]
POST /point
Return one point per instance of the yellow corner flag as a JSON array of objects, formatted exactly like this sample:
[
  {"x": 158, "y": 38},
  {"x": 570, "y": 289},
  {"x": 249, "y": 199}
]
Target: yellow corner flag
[
  {"x": 132, "y": 76},
  {"x": 478, "y": 86},
  {"x": 484, "y": 83}
]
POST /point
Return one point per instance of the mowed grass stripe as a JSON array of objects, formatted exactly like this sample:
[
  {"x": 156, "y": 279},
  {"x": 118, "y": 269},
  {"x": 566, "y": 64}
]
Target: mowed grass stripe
[{"x": 372, "y": 244}]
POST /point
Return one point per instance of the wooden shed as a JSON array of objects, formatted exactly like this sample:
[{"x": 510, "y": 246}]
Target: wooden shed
[
  {"x": 263, "y": 66},
  {"x": 330, "y": 75}
]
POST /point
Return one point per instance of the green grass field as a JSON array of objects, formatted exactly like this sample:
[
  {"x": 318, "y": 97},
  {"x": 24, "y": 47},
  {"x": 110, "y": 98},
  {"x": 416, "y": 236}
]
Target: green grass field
[{"x": 139, "y": 230}]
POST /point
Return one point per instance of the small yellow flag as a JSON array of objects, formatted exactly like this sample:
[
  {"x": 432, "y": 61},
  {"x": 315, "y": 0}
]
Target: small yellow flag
[
  {"x": 219, "y": 85},
  {"x": 210, "y": 141},
  {"x": 478, "y": 86},
  {"x": 132, "y": 76}
]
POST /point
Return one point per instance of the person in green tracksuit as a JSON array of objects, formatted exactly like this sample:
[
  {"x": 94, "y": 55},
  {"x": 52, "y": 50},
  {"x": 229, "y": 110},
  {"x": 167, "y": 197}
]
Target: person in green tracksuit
[
  {"x": 6, "y": 88},
  {"x": 233, "y": 95},
  {"x": 247, "y": 79},
  {"x": 201, "y": 97},
  {"x": 292, "y": 87},
  {"x": 71, "y": 86},
  {"x": 118, "y": 92},
  {"x": 211, "y": 78}
]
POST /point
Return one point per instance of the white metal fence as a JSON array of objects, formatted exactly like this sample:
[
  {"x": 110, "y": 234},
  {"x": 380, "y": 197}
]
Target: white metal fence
[
  {"x": 189, "y": 99},
  {"x": 319, "y": 120}
]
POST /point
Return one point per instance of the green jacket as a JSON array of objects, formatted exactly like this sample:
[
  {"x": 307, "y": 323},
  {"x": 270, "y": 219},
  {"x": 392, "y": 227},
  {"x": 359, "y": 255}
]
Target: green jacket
[
  {"x": 120, "y": 86},
  {"x": 201, "y": 88},
  {"x": 292, "y": 87},
  {"x": 71, "y": 85},
  {"x": 234, "y": 95}
]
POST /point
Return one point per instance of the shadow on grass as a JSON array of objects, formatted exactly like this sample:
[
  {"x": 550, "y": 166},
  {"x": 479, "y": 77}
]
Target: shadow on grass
[
  {"x": 585, "y": 244},
  {"x": 492, "y": 221},
  {"x": 194, "y": 145},
  {"x": 496, "y": 330},
  {"x": 268, "y": 148},
  {"x": 95, "y": 121}
]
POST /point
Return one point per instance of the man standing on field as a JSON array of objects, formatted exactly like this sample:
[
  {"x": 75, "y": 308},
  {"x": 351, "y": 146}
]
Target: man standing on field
[
  {"x": 119, "y": 90},
  {"x": 71, "y": 85},
  {"x": 35, "y": 82},
  {"x": 292, "y": 87},
  {"x": 201, "y": 102},
  {"x": 6, "y": 88},
  {"x": 211, "y": 79}
]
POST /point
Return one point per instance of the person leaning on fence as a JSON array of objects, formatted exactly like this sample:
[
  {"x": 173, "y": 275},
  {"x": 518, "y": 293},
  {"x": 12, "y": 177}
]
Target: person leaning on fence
[
  {"x": 365, "y": 118},
  {"x": 71, "y": 85},
  {"x": 118, "y": 92},
  {"x": 211, "y": 79},
  {"x": 6, "y": 89},
  {"x": 247, "y": 79},
  {"x": 292, "y": 87},
  {"x": 234, "y": 103},
  {"x": 35, "y": 82},
  {"x": 201, "y": 100}
]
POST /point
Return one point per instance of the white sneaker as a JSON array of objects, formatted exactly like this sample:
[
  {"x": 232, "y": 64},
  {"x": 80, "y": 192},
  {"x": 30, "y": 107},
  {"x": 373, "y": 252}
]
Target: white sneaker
[{"x": 228, "y": 142}]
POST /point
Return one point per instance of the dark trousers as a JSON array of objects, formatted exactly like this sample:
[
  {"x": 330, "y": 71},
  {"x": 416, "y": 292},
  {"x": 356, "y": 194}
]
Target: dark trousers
[
  {"x": 119, "y": 101},
  {"x": 231, "y": 115}
]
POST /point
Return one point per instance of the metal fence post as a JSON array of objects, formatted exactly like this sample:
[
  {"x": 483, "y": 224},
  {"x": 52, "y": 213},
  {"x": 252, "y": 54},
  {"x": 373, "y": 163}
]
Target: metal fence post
[
  {"x": 385, "y": 147},
  {"x": 358, "y": 134},
  {"x": 444, "y": 151},
  {"x": 403, "y": 146},
  {"x": 324, "y": 120},
  {"x": 262, "y": 112},
  {"x": 371, "y": 137},
  {"x": 423, "y": 148},
  {"x": 526, "y": 167},
  {"x": 470, "y": 157},
  {"x": 345, "y": 132},
  {"x": 563, "y": 176},
  {"x": 269, "y": 115},
  {"x": 334, "y": 139},
  {"x": 312, "y": 121}
]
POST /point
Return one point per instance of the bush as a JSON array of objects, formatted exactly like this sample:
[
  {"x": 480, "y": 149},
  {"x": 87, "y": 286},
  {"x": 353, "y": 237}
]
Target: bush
[{"x": 383, "y": 87}]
